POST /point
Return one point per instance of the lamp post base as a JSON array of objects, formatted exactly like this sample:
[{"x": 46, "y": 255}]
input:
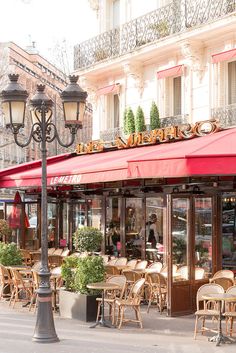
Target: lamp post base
[{"x": 45, "y": 329}]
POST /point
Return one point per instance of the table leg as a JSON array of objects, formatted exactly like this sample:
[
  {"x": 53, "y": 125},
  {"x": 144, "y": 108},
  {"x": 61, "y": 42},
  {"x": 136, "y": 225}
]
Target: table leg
[
  {"x": 102, "y": 321},
  {"x": 220, "y": 338}
]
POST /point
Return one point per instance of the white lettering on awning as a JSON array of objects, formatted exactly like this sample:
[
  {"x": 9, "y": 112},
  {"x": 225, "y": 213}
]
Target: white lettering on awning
[{"x": 65, "y": 179}]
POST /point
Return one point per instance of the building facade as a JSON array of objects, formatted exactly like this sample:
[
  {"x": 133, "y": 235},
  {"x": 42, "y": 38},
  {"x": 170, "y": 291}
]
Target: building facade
[{"x": 179, "y": 54}]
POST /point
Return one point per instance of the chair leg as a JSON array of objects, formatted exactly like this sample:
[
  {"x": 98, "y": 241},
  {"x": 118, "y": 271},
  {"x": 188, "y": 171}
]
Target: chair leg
[
  {"x": 139, "y": 317},
  {"x": 231, "y": 326},
  {"x": 121, "y": 316},
  {"x": 195, "y": 328},
  {"x": 98, "y": 311}
]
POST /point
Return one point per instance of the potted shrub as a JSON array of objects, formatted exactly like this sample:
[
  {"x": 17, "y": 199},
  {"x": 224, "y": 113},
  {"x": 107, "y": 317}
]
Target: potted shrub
[
  {"x": 140, "y": 120},
  {"x": 154, "y": 117},
  {"x": 10, "y": 255},
  {"x": 76, "y": 300}
]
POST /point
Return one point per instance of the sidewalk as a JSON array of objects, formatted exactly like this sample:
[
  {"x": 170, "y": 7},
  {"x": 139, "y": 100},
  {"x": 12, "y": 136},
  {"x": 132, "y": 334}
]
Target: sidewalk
[{"x": 160, "y": 334}]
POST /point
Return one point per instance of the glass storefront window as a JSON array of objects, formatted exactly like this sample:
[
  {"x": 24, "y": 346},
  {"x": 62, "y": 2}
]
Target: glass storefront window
[
  {"x": 203, "y": 235},
  {"x": 113, "y": 210},
  {"x": 133, "y": 225},
  {"x": 52, "y": 231},
  {"x": 155, "y": 242},
  {"x": 94, "y": 212},
  {"x": 180, "y": 214},
  {"x": 229, "y": 231},
  {"x": 65, "y": 217}
]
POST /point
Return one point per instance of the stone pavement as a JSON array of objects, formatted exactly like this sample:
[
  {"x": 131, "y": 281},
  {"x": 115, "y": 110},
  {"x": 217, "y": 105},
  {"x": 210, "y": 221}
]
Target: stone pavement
[{"x": 160, "y": 334}]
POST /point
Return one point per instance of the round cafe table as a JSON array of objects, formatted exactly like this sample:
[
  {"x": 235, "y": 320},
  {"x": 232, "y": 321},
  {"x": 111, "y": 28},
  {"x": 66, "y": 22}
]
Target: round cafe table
[
  {"x": 220, "y": 297},
  {"x": 103, "y": 286}
]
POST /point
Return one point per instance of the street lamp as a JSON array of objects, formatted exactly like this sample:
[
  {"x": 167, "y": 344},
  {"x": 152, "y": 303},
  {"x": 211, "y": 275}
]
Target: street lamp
[{"x": 43, "y": 131}]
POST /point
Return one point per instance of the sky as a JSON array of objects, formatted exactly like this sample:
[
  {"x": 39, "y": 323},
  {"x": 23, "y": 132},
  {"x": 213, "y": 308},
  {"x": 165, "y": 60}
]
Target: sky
[{"x": 50, "y": 24}]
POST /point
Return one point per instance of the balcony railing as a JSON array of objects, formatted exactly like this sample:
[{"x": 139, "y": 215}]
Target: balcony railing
[
  {"x": 175, "y": 120},
  {"x": 178, "y": 16},
  {"x": 111, "y": 134},
  {"x": 225, "y": 115}
]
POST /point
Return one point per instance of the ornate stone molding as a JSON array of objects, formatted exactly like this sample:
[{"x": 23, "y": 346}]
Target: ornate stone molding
[
  {"x": 90, "y": 87},
  {"x": 134, "y": 70},
  {"x": 94, "y": 4},
  {"x": 194, "y": 56}
]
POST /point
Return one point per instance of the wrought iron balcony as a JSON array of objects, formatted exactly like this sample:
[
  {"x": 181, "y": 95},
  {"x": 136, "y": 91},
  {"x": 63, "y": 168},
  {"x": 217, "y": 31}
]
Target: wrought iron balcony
[
  {"x": 178, "y": 16},
  {"x": 175, "y": 120},
  {"x": 111, "y": 134},
  {"x": 225, "y": 115}
]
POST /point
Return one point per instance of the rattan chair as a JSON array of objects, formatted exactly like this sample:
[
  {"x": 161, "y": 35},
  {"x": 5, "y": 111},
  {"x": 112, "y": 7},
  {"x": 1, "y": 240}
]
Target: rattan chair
[
  {"x": 154, "y": 267},
  {"x": 223, "y": 273},
  {"x": 157, "y": 288},
  {"x": 22, "y": 288},
  {"x": 111, "y": 296},
  {"x": 5, "y": 281},
  {"x": 26, "y": 257},
  {"x": 223, "y": 282},
  {"x": 132, "y": 302},
  {"x": 132, "y": 263},
  {"x": 35, "y": 286},
  {"x": 206, "y": 308},
  {"x": 230, "y": 312},
  {"x": 112, "y": 262},
  {"x": 111, "y": 271},
  {"x": 141, "y": 265},
  {"x": 121, "y": 261}
]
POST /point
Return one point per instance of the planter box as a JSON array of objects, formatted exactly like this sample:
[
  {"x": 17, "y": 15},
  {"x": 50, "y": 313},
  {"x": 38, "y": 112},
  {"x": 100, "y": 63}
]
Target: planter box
[{"x": 77, "y": 306}]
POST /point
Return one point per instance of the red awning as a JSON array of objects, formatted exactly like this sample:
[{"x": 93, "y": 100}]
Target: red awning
[
  {"x": 225, "y": 55},
  {"x": 172, "y": 71},
  {"x": 108, "y": 89},
  {"x": 209, "y": 155}
]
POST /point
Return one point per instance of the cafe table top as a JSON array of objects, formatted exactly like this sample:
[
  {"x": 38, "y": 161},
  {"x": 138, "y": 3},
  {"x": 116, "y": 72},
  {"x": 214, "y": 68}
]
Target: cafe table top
[{"x": 103, "y": 286}]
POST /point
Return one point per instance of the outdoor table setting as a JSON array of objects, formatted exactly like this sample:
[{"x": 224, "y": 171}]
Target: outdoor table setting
[
  {"x": 103, "y": 286},
  {"x": 220, "y": 297}
]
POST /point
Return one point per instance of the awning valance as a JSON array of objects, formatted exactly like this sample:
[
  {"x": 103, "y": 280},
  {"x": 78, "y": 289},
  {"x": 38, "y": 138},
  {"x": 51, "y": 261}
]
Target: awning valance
[
  {"x": 109, "y": 89},
  {"x": 213, "y": 154},
  {"x": 172, "y": 71},
  {"x": 209, "y": 155},
  {"x": 224, "y": 56}
]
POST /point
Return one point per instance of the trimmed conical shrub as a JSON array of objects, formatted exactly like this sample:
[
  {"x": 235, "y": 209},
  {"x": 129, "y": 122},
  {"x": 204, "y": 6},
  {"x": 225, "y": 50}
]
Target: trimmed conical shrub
[
  {"x": 154, "y": 117},
  {"x": 130, "y": 122},
  {"x": 125, "y": 121},
  {"x": 140, "y": 120}
]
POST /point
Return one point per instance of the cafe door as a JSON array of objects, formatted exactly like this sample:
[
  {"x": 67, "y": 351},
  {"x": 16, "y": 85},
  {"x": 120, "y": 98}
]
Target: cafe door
[{"x": 190, "y": 248}]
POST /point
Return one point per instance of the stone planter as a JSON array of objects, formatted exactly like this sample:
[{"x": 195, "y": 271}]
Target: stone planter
[{"x": 77, "y": 306}]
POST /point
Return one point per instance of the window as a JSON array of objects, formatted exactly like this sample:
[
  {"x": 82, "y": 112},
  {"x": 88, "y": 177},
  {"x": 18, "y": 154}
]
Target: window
[
  {"x": 116, "y": 13},
  {"x": 113, "y": 117},
  {"x": 177, "y": 95},
  {"x": 232, "y": 82},
  {"x": 173, "y": 96}
]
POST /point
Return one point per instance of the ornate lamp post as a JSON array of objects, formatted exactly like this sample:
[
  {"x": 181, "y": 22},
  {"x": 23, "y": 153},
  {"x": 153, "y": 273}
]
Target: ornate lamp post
[{"x": 43, "y": 131}]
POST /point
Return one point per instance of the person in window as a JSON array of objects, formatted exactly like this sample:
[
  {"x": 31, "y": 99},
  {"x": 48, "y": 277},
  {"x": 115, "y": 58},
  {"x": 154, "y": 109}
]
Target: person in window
[
  {"x": 153, "y": 236},
  {"x": 115, "y": 238}
]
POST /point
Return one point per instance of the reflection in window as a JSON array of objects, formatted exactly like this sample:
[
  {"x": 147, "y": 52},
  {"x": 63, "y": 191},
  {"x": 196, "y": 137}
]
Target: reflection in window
[
  {"x": 113, "y": 208},
  {"x": 155, "y": 243},
  {"x": 94, "y": 213},
  {"x": 229, "y": 231},
  {"x": 203, "y": 234},
  {"x": 180, "y": 231},
  {"x": 133, "y": 226}
]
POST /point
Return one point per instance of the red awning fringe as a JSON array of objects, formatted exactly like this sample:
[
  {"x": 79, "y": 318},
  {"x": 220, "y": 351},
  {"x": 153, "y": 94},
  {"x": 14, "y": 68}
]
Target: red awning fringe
[
  {"x": 172, "y": 71},
  {"x": 225, "y": 55}
]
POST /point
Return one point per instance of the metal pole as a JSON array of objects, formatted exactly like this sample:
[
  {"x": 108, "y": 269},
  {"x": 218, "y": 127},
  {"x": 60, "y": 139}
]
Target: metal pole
[{"x": 44, "y": 329}]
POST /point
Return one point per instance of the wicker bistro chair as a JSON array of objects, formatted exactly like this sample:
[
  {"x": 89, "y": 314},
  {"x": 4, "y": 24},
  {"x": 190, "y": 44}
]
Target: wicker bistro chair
[
  {"x": 223, "y": 273},
  {"x": 121, "y": 261},
  {"x": 21, "y": 287},
  {"x": 154, "y": 267},
  {"x": 112, "y": 262},
  {"x": 55, "y": 260},
  {"x": 26, "y": 257},
  {"x": 111, "y": 271},
  {"x": 5, "y": 281},
  {"x": 141, "y": 265},
  {"x": 35, "y": 286},
  {"x": 131, "y": 302},
  {"x": 210, "y": 308},
  {"x": 157, "y": 288},
  {"x": 111, "y": 296},
  {"x": 132, "y": 263},
  {"x": 223, "y": 282},
  {"x": 230, "y": 312}
]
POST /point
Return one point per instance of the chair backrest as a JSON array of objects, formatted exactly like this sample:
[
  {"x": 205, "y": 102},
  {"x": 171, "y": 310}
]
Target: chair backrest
[
  {"x": 199, "y": 273},
  {"x": 224, "y": 273},
  {"x": 132, "y": 263},
  {"x": 209, "y": 288},
  {"x": 136, "y": 291},
  {"x": 111, "y": 270},
  {"x": 155, "y": 266},
  {"x": 105, "y": 259},
  {"x": 121, "y": 281},
  {"x": 35, "y": 277},
  {"x": 129, "y": 275},
  {"x": 55, "y": 260},
  {"x": 58, "y": 252},
  {"x": 36, "y": 266},
  {"x": 36, "y": 257},
  {"x": 231, "y": 290},
  {"x": 65, "y": 252},
  {"x": 26, "y": 257},
  {"x": 112, "y": 262},
  {"x": 16, "y": 277},
  {"x": 51, "y": 251},
  {"x": 121, "y": 261},
  {"x": 56, "y": 271},
  {"x": 223, "y": 282},
  {"x": 164, "y": 269},
  {"x": 141, "y": 265},
  {"x": 5, "y": 276},
  {"x": 156, "y": 278}
]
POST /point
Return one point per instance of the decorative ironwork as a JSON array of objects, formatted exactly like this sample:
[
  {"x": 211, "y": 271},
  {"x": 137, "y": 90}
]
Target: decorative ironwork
[
  {"x": 111, "y": 134},
  {"x": 225, "y": 115},
  {"x": 178, "y": 16},
  {"x": 175, "y": 120}
]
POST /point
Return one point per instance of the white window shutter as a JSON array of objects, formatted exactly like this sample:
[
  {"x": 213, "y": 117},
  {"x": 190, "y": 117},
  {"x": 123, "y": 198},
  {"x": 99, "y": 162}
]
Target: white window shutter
[{"x": 232, "y": 82}]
